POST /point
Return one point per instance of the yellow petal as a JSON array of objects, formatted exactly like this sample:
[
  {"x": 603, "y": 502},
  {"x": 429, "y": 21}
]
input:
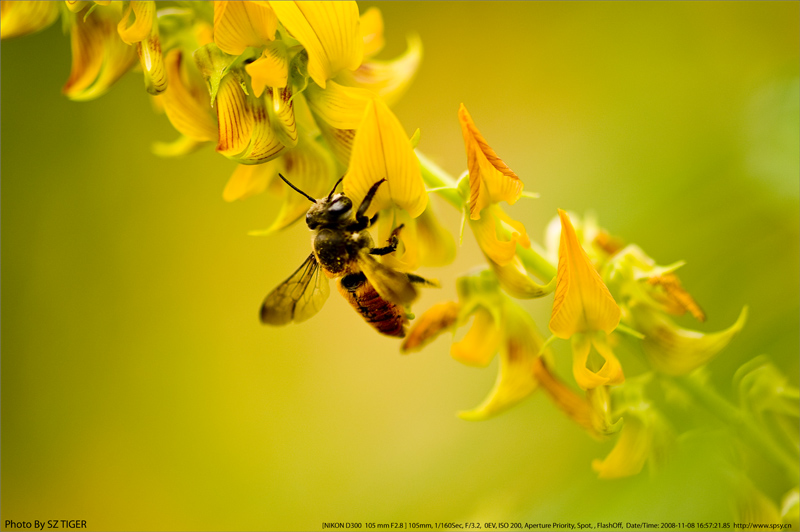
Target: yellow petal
[
  {"x": 430, "y": 325},
  {"x": 136, "y": 28},
  {"x": 481, "y": 342},
  {"x": 271, "y": 69},
  {"x": 582, "y": 301},
  {"x": 498, "y": 235},
  {"x": 330, "y": 33},
  {"x": 248, "y": 180},
  {"x": 629, "y": 454},
  {"x": 264, "y": 143},
  {"x": 387, "y": 79},
  {"x": 406, "y": 258},
  {"x": 372, "y": 31},
  {"x": 186, "y": 101},
  {"x": 490, "y": 179},
  {"x": 515, "y": 280},
  {"x": 381, "y": 150},
  {"x": 610, "y": 372},
  {"x": 282, "y": 116},
  {"x": 155, "y": 72},
  {"x": 573, "y": 405},
  {"x": 238, "y": 25},
  {"x": 677, "y": 351},
  {"x": 339, "y": 106},
  {"x": 235, "y": 117},
  {"x": 177, "y": 148},
  {"x": 520, "y": 345},
  {"x": 99, "y": 57},
  {"x": 23, "y": 18},
  {"x": 436, "y": 245}
]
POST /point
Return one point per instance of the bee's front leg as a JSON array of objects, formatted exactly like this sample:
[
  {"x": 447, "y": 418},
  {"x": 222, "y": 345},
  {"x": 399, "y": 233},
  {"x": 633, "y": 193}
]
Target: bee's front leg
[
  {"x": 392, "y": 246},
  {"x": 361, "y": 218}
]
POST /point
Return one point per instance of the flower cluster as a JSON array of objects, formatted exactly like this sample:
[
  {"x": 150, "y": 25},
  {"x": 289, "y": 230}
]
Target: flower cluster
[{"x": 295, "y": 88}]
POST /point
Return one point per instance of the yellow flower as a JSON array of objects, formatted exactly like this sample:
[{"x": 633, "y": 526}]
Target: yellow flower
[
  {"x": 238, "y": 25},
  {"x": 490, "y": 179},
  {"x": 99, "y": 56},
  {"x": 585, "y": 311},
  {"x": 23, "y": 18},
  {"x": 382, "y": 150}
]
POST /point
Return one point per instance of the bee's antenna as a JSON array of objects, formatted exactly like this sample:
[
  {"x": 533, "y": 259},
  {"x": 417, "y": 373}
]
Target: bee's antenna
[
  {"x": 296, "y": 189},
  {"x": 334, "y": 187}
]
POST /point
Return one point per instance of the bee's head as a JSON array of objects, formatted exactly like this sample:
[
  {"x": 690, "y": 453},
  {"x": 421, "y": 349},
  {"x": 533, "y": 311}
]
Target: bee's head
[{"x": 332, "y": 210}]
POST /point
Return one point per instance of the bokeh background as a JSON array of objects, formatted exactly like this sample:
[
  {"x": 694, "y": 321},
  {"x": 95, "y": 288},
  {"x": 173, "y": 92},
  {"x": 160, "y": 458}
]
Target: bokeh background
[{"x": 139, "y": 390}]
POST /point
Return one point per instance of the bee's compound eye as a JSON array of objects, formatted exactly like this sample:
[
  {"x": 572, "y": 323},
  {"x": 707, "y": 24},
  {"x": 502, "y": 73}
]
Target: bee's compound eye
[
  {"x": 311, "y": 221},
  {"x": 341, "y": 206}
]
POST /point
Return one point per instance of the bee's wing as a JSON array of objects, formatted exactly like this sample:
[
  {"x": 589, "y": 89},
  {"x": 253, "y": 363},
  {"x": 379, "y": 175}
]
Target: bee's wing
[
  {"x": 392, "y": 285},
  {"x": 297, "y": 298}
]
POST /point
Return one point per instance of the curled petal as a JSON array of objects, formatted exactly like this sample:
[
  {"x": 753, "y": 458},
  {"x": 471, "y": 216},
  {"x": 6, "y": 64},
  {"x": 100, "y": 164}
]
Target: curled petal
[
  {"x": 329, "y": 31},
  {"x": 381, "y": 150},
  {"x": 282, "y": 116},
  {"x": 23, "y": 18},
  {"x": 99, "y": 57},
  {"x": 387, "y": 79},
  {"x": 372, "y": 31},
  {"x": 186, "y": 100},
  {"x": 481, "y": 342},
  {"x": 675, "y": 298},
  {"x": 271, "y": 69},
  {"x": 520, "y": 345},
  {"x": 177, "y": 148},
  {"x": 515, "y": 280},
  {"x": 629, "y": 454},
  {"x": 489, "y": 229},
  {"x": 582, "y": 301},
  {"x": 676, "y": 351},
  {"x": 238, "y": 25},
  {"x": 610, "y": 372},
  {"x": 430, "y": 325},
  {"x": 490, "y": 179},
  {"x": 140, "y": 26}
]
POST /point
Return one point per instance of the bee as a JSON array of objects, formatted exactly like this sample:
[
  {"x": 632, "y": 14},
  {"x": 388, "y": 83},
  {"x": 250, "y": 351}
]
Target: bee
[{"x": 343, "y": 250}]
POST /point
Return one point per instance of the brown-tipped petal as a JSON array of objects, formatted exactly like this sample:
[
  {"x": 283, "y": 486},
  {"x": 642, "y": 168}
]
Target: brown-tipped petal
[
  {"x": 238, "y": 25},
  {"x": 329, "y": 31},
  {"x": 573, "y": 405},
  {"x": 155, "y": 72},
  {"x": 433, "y": 322},
  {"x": 677, "y": 300},
  {"x": 582, "y": 301},
  {"x": 282, "y": 115},
  {"x": 23, "y": 18},
  {"x": 186, "y": 101},
  {"x": 490, "y": 179},
  {"x": 264, "y": 144}
]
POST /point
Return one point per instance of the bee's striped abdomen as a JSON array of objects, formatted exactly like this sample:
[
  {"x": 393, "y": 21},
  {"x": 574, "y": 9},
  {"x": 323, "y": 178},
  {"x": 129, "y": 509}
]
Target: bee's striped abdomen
[{"x": 388, "y": 318}]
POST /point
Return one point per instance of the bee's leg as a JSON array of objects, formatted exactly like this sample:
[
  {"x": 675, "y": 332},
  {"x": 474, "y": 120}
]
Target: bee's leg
[
  {"x": 362, "y": 209},
  {"x": 373, "y": 220},
  {"x": 392, "y": 243},
  {"x": 416, "y": 279}
]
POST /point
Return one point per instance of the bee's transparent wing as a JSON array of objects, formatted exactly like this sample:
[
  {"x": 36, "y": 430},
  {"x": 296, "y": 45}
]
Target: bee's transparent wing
[
  {"x": 297, "y": 298},
  {"x": 392, "y": 285}
]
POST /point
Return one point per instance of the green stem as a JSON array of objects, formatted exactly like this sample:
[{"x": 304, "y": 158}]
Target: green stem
[
  {"x": 741, "y": 425},
  {"x": 435, "y": 177}
]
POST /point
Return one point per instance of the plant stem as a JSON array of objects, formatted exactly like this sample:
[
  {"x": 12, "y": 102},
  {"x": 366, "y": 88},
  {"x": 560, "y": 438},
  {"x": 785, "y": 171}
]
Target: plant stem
[{"x": 741, "y": 425}]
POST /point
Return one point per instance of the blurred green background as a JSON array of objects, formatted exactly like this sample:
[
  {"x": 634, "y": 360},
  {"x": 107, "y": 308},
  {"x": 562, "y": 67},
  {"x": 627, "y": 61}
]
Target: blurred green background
[{"x": 139, "y": 390}]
